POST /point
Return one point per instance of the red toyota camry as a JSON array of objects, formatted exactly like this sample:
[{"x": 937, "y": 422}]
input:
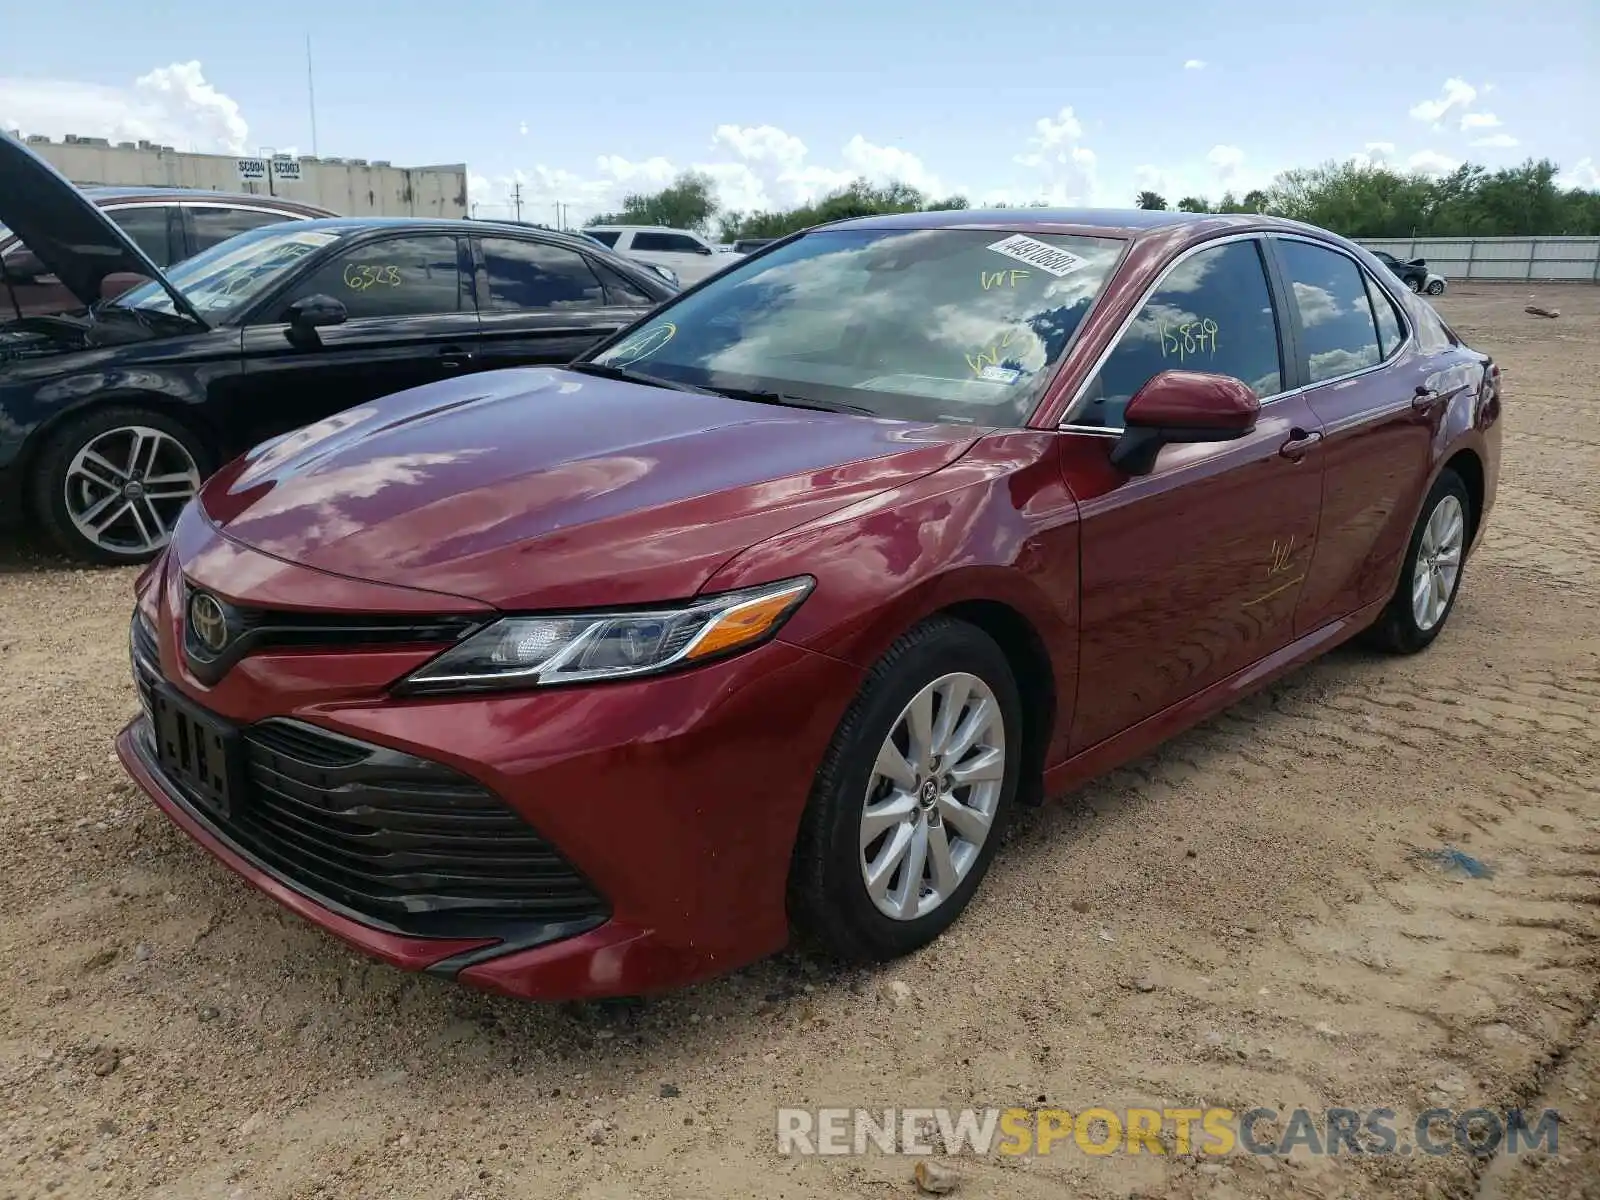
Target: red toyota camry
[{"x": 770, "y": 611}]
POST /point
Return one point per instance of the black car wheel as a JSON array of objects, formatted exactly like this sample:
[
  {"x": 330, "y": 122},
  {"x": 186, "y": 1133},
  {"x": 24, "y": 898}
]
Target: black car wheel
[
  {"x": 912, "y": 797},
  {"x": 109, "y": 486}
]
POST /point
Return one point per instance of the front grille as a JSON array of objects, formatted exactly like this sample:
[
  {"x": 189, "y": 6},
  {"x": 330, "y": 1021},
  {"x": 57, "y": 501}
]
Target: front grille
[
  {"x": 254, "y": 629},
  {"x": 395, "y": 840}
]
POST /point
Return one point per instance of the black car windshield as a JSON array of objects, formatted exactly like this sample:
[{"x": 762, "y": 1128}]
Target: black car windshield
[
  {"x": 920, "y": 324},
  {"x": 222, "y": 280}
]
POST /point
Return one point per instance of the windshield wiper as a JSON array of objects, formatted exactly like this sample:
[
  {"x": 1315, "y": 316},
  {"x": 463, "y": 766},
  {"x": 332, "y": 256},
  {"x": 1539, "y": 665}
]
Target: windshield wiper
[
  {"x": 607, "y": 371},
  {"x": 787, "y": 400}
]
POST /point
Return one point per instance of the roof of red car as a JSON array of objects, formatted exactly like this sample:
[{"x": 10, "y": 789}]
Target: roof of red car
[{"x": 1120, "y": 222}]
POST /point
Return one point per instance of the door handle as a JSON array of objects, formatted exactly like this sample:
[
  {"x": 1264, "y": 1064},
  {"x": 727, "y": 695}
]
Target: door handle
[
  {"x": 1300, "y": 443},
  {"x": 452, "y": 357}
]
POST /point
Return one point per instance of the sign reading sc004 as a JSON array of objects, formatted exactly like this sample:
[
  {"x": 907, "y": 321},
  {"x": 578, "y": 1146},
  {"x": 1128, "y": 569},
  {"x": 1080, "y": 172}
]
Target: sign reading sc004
[{"x": 253, "y": 169}]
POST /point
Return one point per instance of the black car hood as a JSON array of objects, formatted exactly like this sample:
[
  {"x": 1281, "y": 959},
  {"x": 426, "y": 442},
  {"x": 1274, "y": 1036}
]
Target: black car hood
[{"x": 69, "y": 234}]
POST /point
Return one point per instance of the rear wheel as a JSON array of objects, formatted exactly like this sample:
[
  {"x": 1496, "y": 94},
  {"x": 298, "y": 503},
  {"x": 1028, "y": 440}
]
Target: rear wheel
[
  {"x": 109, "y": 486},
  {"x": 908, "y": 807},
  {"x": 1436, "y": 287},
  {"x": 1413, "y": 284},
  {"x": 1431, "y": 574}
]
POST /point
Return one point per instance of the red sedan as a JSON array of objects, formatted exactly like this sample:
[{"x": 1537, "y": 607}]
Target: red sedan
[{"x": 772, "y": 610}]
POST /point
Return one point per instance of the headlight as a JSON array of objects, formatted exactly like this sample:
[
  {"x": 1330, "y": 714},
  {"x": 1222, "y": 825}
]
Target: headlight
[{"x": 581, "y": 647}]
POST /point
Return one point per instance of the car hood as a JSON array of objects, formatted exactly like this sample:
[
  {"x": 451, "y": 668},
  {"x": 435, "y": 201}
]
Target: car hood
[
  {"x": 541, "y": 489},
  {"x": 69, "y": 233}
]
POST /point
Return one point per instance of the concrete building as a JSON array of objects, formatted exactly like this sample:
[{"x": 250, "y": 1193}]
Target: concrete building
[{"x": 352, "y": 187}]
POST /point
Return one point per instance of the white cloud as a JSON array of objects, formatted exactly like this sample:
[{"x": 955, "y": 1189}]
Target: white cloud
[
  {"x": 1226, "y": 160},
  {"x": 1431, "y": 162},
  {"x": 883, "y": 163},
  {"x": 172, "y": 106},
  {"x": 760, "y": 143},
  {"x": 1066, "y": 173},
  {"x": 1496, "y": 141},
  {"x": 522, "y": 128},
  {"x": 1457, "y": 93},
  {"x": 1585, "y": 173},
  {"x": 1479, "y": 120},
  {"x": 1194, "y": 64}
]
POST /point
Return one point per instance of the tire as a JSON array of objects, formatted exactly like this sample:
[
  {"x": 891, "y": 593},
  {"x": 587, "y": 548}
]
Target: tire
[
  {"x": 1399, "y": 629},
  {"x": 148, "y": 467},
  {"x": 1414, "y": 285},
  {"x": 1436, "y": 288},
  {"x": 829, "y": 898}
]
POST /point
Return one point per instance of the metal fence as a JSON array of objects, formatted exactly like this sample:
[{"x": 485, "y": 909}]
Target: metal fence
[{"x": 1575, "y": 259}]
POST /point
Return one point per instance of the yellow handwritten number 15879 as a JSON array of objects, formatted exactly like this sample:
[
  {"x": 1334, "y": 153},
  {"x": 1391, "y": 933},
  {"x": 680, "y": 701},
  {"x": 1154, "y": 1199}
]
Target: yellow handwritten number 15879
[{"x": 1188, "y": 339}]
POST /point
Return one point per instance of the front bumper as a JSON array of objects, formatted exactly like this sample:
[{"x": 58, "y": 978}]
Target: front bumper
[{"x": 674, "y": 800}]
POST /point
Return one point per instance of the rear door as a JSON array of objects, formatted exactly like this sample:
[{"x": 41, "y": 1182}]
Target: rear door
[
  {"x": 413, "y": 319},
  {"x": 543, "y": 303},
  {"x": 1376, "y": 391}
]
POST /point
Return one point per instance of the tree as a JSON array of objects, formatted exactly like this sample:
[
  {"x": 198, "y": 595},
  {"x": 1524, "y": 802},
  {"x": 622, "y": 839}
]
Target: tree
[
  {"x": 1152, "y": 200},
  {"x": 689, "y": 203},
  {"x": 1193, "y": 204}
]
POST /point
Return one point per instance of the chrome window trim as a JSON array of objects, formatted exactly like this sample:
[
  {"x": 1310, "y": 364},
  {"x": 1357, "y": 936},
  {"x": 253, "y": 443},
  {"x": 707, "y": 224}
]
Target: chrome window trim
[
  {"x": 1067, "y": 426},
  {"x": 260, "y": 208}
]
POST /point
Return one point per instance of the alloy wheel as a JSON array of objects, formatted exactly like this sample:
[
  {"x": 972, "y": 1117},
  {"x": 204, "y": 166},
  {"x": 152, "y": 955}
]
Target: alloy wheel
[
  {"x": 1413, "y": 285},
  {"x": 1438, "y": 566},
  {"x": 126, "y": 487},
  {"x": 932, "y": 796}
]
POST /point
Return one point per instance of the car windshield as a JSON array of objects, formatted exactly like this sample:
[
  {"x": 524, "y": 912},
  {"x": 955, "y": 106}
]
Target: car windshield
[
  {"x": 923, "y": 324},
  {"x": 222, "y": 280}
]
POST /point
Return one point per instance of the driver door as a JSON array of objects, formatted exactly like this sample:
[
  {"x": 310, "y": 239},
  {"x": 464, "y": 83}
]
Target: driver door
[
  {"x": 412, "y": 320},
  {"x": 1191, "y": 572}
]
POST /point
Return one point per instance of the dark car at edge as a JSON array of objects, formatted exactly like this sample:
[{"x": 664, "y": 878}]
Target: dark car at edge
[{"x": 112, "y": 415}]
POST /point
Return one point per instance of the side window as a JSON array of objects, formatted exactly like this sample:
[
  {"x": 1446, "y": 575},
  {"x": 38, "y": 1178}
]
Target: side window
[
  {"x": 619, "y": 288},
  {"x": 1212, "y": 313},
  {"x": 212, "y": 225},
  {"x": 668, "y": 243},
  {"x": 1390, "y": 332},
  {"x": 536, "y": 275},
  {"x": 1335, "y": 314},
  {"x": 401, "y": 277},
  {"x": 606, "y": 236},
  {"x": 1433, "y": 337},
  {"x": 146, "y": 226}
]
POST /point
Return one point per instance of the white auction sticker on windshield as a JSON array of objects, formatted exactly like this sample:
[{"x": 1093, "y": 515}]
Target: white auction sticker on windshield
[
  {"x": 994, "y": 374},
  {"x": 1050, "y": 259}
]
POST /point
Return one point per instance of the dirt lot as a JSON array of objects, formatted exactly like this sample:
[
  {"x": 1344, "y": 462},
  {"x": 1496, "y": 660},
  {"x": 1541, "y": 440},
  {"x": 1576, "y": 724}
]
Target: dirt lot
[{"x": 1241, "y": 919}]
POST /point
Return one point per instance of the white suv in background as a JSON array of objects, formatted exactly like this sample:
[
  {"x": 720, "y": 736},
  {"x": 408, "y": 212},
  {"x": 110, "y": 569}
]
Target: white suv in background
[{"x": 687, "y": 255}]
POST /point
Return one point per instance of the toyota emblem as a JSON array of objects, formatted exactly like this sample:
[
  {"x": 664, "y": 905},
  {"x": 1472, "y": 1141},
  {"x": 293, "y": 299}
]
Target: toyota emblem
[{"x": 209, "y": 622}]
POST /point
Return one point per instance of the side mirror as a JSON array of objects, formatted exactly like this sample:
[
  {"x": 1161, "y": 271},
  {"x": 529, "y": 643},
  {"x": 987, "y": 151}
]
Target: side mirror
[
  {"x": 310, "y": 313},
  {"x": 1182, "y": 406},
  {"x": 704, "y": 249},
  {"x": 22, "y": 266}
]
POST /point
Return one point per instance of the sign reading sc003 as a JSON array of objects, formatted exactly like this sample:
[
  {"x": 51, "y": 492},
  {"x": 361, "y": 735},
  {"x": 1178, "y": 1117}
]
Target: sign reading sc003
[{"x": 286, "y": 168}]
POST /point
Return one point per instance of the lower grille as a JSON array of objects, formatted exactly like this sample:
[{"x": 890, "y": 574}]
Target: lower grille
[
  {"x": 393, "y": 835},
  {"x": 392, "y": 839}
]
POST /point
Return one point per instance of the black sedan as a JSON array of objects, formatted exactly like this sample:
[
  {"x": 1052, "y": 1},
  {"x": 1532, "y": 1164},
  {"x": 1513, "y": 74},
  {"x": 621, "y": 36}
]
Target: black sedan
[
  {"x": 110, "y": 417},
  {"x": 1414, "y": 274}
]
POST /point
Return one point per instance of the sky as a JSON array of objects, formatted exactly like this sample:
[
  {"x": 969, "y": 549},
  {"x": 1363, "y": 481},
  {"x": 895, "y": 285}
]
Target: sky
[{"x": 1069, "y": 104}]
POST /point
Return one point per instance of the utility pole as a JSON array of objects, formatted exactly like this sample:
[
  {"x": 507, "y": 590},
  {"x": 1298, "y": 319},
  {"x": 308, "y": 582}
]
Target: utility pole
[
  {"x": 311, "y": 95},
  {"x": 516, "y": 197}
]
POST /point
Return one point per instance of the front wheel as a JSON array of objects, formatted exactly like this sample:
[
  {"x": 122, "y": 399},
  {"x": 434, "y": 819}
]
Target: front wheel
[
  {"x": 1436, "y": 287},
  {"x": 1431, "y": 574},
  {"x": 109, "y": 486},
  {"x": 1413, "y": 284},
  {"x": 913, "y": 793}
]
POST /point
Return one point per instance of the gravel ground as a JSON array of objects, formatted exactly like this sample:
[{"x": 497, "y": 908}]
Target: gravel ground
[{"x": 1240, "y": 919}]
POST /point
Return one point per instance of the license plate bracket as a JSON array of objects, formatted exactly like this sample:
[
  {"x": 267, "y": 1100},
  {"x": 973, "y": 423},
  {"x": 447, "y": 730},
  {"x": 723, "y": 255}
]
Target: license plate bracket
[{"x": 197, "y": 752}]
